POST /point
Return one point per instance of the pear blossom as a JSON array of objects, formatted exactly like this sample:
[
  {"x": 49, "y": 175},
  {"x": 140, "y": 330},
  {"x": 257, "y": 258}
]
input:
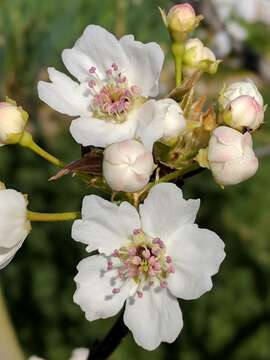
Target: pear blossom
[
  {"x": 14, "y": 226},
  {"x": 231, "y": 157},
  {"x": 77, "y": 354},
  {"x": 12, "y": 122},
  {"x": 233, "y": 91},
  {"x": 244, "y": 112},
  {"x": 147, "y": 259},
  {"x": 127, "y": 166},
  {"x": 114, "y": 80}
]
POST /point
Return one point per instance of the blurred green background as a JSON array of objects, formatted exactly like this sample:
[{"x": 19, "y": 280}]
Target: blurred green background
[{"x": 231, "y": 321}]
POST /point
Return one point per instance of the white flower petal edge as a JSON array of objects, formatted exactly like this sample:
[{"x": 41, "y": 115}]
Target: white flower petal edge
[
  {"x": 115, "y": 77},
  {"x": 104, "y": 225},
  {"x": 14, "y": 226},
  {"x": 165, "y": 210},
  {"x": 154, "y": 318},
  {"x": 150, "y": 261}
]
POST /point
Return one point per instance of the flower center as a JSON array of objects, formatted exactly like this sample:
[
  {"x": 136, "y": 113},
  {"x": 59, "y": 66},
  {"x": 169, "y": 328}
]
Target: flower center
[
  {"x": 113, "y": 98},
  {"x": 144, "y": 260}
]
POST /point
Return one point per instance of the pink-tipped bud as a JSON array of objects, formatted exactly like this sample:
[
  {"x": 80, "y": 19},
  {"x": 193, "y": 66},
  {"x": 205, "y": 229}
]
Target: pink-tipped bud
[
  {"x": 127, "y": 166},
  {"x": 244, "y": 112},
  {"x": 230, "y": 156},
  {"x": 181, "y": 18}
]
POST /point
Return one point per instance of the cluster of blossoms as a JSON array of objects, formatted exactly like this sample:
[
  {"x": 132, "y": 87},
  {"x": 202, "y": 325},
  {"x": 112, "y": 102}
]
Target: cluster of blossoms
[{"x": 148, "y": 249}]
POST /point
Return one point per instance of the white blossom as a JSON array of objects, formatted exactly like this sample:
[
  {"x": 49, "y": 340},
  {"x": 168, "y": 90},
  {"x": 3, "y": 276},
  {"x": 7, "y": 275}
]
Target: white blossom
[
  {"x": 114, "y": 80},
  {"x": 14, "y": 226},
  {"x": 148, "y": 258},
  {"x": 127, "y": 166},
  {"x": 231, "y": 157}
]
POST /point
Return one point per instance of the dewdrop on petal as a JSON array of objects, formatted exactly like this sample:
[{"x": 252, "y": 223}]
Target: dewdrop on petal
[
  {"x": 127, "y": 166},
  {"x": 231, "y": 157},
  {"x": 12, "y": 122}
]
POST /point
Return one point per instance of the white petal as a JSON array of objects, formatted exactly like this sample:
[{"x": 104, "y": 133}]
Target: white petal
[
  {"x": 90, "y": 131},
  {"x": 64, "y": 95},
  {"x": 165, "y": 210},
  {"x": 14, "y": 225},
  {"x": 154, "y": 318},
  {"x": 144, "y": 64},
  {"x": 6, "y": 255},
  {"x": 94, "y": 288},
  {"x": 196, "y": 255},
  {"x": 96, "y": 47},
  {"x": 150, "y": 124},
  {"x": 104, "y": 225}
]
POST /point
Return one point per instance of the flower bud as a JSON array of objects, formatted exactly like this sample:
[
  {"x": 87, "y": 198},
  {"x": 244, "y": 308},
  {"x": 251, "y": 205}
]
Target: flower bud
[
  {"x": 14, "y": 226},
  {"x": 237, "y": 89},
  {"x": 244, "y": 112},
  {"x": 127, "y": 166},
  {"x": 182, "y": 18},
  {"x": 199, "y": 57},
  {"x": 174, "y": 122},
  {"x": 12, "y": 123},
  {"x": 230, "y": 156}
]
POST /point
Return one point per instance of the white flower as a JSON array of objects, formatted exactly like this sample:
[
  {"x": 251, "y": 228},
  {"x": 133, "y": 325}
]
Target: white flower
[
  {"x": 12, "y": 123},
  {"x": 231, "y": 157},
  {"x": 14, "y": 226},
  {"x": 127, "y": 166},
  {"x": 148, "y": 259},
  {"x": 237, "y": 89},
  {"x": 115, "y": 78},
  {"x": 80, "y": 354},
  {"x": 244, "y": 112}
]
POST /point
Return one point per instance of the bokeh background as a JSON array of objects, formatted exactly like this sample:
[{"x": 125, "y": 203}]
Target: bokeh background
[{"x": 233, "y": 320}]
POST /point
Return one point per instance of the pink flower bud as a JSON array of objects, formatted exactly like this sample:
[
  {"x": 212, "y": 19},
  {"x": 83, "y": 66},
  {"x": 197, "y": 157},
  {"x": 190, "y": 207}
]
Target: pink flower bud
[
  {"x": 237, "y": 89},
  {"x": 181, "y": 18},
  {"x": 12, "y": 123},
  {"x": 231, "y": 157},
  {"x": 127, "y": 166},
  {"x": 244, "y": 112}
]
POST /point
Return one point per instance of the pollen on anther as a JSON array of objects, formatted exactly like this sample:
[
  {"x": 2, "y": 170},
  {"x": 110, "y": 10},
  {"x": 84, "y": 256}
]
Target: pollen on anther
[
  {"x": 92, "y": 70},
  {"x": 115, "y": 290}
]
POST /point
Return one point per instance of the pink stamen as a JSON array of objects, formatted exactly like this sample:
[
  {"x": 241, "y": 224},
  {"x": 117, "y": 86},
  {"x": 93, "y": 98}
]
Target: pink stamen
[
  {"x": 146, "y": 254},
  {"x": 168, "y": 259},
  {"x": 163, "y": 284},
  {"x": 115, "y": 290},
  {"x": 92, "y": 70},
  {"x": 110, "y": 265},
  {"x": 140, "y": 294},
  {"x": 132, "y": 251},
  {"x": 137, "y": 231},
  {"x": 115, "y": 67}
]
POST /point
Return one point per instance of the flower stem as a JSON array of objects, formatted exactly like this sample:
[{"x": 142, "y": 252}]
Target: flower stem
[
  {"x": 9, "y": 345},
  {"x": 65, "y": 216},
  {"x": 28, "y": 142},
  {"x": 103, "y": 349},
  {"x": 178, "y": 52}
]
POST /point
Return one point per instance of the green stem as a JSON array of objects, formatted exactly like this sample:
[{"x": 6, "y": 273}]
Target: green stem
[
  {"x": 178, "y": 52},
  {"x": 9, "y": 345},
  {"x": 48, "y": 217},
  {"x": 28, "y": 142}
]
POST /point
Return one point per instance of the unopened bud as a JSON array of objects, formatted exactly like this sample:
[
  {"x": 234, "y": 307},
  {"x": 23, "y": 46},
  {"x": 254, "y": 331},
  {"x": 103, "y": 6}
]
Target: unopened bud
[
  {"x": 230, "y": 156},
  {"x": 233, "y": 91},
  {"x": 12, "y": 123},
  {"x": 127, "y": 166},
  {"x": 181, "y": 18},
  {"x": 199, "y": 57},
  {"x": 244, "y": 112}
]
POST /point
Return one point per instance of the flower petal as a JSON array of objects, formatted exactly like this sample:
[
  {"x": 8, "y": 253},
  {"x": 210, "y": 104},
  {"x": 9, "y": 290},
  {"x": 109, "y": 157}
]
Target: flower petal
[
  {"x": 13, "y": 218},
  {"x": 97, "y": 132},
  {"x": 96, "y": 47},
  {"x": 196, "y": 255},
  {"x": 104, "y": 225},
  {"x": 64, "y": 95},
  {"x": 94, "y": 288},
  {"x": 154, "y": 318},
  {"x": 165, "y": 210},
  {"x": 144, "y": 64},
  {"x": 6, "y": 255},
  {"x": 150, "y": 127}
]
